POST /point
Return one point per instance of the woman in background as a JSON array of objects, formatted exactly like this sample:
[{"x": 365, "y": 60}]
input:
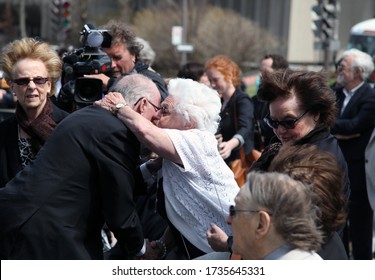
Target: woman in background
[{"x": 236, "y": 128}]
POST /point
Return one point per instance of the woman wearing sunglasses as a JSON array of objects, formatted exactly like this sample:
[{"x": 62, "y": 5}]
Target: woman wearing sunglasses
[
  {"x": 31, "y": 69},
  {"x": 302, "y": 110}
]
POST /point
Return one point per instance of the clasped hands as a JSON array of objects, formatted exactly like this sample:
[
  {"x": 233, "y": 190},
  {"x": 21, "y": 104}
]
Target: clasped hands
[{"x": 110, "y": 100}]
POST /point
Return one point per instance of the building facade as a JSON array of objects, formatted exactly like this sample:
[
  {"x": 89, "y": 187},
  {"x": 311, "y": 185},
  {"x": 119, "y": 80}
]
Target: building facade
[{"x": 288, "y": 20}]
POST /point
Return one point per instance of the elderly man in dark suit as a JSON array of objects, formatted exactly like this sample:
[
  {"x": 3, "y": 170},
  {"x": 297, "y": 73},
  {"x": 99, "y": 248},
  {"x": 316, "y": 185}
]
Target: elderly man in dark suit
[
  {"x": 353, "y": 128},
  {"x": 82, "y": 178}
]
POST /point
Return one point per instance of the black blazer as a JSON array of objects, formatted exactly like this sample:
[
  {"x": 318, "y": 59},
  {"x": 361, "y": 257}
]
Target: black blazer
[
  {"x": 10, "y": 160},
  {"x": 357, "y": 119},
  {"x": 245, "y": 120},
  {"x": 82, "y": 177}
]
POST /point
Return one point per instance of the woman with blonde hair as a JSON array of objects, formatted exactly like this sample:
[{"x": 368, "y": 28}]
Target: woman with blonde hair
[{"x": 31, "y": 69}]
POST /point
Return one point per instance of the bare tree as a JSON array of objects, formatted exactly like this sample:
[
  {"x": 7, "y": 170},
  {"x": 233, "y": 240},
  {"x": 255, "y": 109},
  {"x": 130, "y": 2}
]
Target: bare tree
[{"x": 212, "y": 31}]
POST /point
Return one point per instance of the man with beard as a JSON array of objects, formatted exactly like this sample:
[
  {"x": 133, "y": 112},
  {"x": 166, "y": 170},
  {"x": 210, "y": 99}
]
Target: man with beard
[{"x": 353, "y": 128}]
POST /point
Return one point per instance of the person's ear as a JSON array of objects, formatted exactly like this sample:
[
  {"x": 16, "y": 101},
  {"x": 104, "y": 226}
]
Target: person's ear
[
  {"x": 316, "y": 117},
  {"x": 358, "y": 71},
  {"x": 190, "y": 125},
  {"x": 264, "y": 224},
  {"x": 141, "y": 106}
]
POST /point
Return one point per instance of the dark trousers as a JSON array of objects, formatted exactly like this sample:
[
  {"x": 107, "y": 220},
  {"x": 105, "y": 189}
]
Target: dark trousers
[{"x": 359, "y": 227}]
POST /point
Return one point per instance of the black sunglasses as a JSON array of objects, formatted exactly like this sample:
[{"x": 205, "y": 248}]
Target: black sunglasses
[
  {"x": 152, "y": 104},
  {"x": 288, "y": 124},
  {"x": 25, "y": 81}
]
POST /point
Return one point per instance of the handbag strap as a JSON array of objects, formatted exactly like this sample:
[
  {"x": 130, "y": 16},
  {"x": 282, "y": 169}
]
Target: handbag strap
[{"x": 242, "y": 149}]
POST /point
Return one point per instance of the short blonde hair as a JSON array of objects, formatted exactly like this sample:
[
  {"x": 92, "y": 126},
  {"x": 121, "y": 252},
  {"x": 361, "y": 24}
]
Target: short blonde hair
[{"x": 32, "y": 49}]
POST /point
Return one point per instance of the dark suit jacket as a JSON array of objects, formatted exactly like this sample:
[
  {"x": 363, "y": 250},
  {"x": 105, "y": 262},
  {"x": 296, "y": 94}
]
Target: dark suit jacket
[
  {"x": 55, "y": 207},
  {"x": 245, "y": 119},
  {"x": 333, "y": 249},
  {"x": 357, "y": 119},
  {"x": 10, "y": 160}
]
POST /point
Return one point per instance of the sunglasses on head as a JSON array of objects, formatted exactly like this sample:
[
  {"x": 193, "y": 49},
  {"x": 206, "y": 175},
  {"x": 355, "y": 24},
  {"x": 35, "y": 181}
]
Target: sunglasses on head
[
  {"x": 288, "y": 124},
  {"x": 26, "y": 81}
]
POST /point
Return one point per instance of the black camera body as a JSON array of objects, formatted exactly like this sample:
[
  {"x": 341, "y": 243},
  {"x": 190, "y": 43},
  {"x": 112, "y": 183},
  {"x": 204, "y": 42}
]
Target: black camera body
[{"x": 79, "y": 91}]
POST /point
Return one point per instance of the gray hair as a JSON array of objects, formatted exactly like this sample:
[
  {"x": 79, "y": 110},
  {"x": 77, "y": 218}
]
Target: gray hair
[
  {"x": 289, "y": 202},
  {"x": 147, "y": 54},
  {"x": 196, "y": 102},
  {"x": 134, "y": 86},
  {"x": 361, "y": 60}
]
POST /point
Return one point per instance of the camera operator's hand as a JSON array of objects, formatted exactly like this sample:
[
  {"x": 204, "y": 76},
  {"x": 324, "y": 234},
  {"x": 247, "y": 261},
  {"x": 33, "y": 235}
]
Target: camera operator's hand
[{"x": 102, "y": 77}]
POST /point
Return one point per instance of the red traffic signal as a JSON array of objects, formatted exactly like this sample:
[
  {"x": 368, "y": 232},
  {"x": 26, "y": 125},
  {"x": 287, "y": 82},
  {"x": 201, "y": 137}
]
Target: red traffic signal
[{"x": 66, "y": 4}]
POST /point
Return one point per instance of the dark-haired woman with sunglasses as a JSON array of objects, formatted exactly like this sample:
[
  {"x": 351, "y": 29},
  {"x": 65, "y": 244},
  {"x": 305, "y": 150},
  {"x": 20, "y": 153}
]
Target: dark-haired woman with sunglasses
[
  {"x": 302, "y": 110},
  {"x": 31, "y": 69}
]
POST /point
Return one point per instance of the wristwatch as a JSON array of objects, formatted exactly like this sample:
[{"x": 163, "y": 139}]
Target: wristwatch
[{"x": 118, "y": 106}]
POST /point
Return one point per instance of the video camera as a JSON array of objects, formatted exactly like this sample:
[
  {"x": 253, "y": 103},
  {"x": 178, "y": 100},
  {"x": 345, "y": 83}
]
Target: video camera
[{"x": 79, "y": 90}]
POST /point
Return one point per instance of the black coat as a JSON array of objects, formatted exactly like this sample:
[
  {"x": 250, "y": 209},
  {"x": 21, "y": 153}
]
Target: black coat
[
  {"x": 243, "y": 105},
  {"x": 321, "y": 137},
  {"x": 82, "y": 177},
  {"x": 10, "y": 160},
  {"x": 357, "y": 119}
]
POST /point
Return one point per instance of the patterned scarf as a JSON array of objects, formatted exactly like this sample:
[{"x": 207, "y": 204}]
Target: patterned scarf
[{"x": 40, "y": 128}]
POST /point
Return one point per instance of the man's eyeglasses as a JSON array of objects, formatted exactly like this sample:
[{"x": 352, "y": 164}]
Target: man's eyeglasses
[
  {"x": 152, "y": 104},
  {"x": 232, "y": 211},
  {"x": 288, "y": 124},
  {"x": 343, "y": 68},
  {"x": 25, "y": 81}
]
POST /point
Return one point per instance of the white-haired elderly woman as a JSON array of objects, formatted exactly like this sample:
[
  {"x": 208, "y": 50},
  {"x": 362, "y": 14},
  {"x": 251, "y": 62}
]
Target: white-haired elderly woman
[{"x": 198, "y": 186}]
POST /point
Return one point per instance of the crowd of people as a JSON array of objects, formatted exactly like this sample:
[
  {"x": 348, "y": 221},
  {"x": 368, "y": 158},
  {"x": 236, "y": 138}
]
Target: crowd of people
[{"x": 145, "y": 171}]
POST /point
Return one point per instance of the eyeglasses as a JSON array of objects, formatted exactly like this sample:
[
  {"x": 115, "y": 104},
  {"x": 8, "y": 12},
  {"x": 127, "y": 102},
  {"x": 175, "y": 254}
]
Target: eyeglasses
[
  {"x": 152, "y": 104},
  {"x": 165, "y": 110},
  {"x": 232, "y": 211},
  {"x": 288, "y": 124},
  {"x": 341, "y": 67},
  {"x": 25, "y": 81}
]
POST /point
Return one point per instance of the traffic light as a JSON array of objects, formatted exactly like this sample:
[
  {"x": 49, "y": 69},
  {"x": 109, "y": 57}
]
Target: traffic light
[
  {"x": 61, "y": 19},
  {"x": 66, "y": 14},
  {"x": 324, "y": 19}
]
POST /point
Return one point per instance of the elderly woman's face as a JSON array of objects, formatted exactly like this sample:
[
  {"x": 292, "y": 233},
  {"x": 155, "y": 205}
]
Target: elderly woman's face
[
  {"x": 31, "y": 94},
  {"x": 167, "y": 116},
  {"x": 244, "y": 223},
  {"x": 287, "y": 109}
]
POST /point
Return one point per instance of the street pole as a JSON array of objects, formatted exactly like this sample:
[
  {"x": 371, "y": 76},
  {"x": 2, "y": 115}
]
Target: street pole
[
  {"x": 22, "y": 19},
  {"x": 184, "y": 32}
]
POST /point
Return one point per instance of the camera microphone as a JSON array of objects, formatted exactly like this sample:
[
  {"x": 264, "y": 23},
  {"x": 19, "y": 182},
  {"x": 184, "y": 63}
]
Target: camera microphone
[
  {"x": 71, "y": 58},
  {"x": 94, "y": 39}
]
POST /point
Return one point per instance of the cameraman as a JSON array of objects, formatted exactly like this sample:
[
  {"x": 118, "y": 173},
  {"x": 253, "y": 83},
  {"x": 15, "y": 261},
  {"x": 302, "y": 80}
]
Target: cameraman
[{"x": 125, "y": 52}]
